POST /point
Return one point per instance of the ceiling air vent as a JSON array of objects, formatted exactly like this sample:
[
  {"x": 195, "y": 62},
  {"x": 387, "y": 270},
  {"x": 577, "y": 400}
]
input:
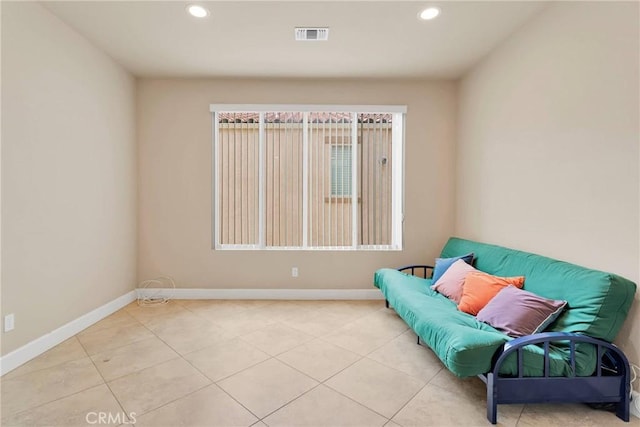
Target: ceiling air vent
[{"x": 312, "y": 34}]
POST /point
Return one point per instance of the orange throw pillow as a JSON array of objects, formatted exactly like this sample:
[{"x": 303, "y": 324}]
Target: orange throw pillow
[{"x": 479, "y": 288}]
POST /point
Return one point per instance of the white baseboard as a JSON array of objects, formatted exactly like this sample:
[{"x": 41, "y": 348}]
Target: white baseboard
[
  {"x": 281, "y": 294},
  {"x": 38, "y": 346}
]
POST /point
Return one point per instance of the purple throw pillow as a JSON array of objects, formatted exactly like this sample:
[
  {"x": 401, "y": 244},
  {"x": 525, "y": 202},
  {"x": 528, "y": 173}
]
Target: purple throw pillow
[{"x": 517, "y": 312}]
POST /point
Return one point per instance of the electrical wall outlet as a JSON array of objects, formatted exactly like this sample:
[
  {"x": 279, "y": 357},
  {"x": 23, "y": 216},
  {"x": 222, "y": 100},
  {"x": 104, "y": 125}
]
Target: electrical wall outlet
[
  {"x": 294, "y": 271},
  {"x": 9, "y": 322},
  {"x": 634, "y": 407}
]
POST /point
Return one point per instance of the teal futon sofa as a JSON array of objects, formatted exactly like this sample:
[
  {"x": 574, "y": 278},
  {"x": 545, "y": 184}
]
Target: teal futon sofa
[{"x": 572, "y": 360}]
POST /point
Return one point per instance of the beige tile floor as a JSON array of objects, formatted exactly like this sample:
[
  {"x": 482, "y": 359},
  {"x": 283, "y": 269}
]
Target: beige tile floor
[{"x": 257, "y": 363}]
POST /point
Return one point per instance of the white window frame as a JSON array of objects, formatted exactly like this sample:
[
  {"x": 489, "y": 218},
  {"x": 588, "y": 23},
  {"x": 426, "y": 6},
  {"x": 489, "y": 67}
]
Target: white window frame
[{"x": 397, "y": 181}]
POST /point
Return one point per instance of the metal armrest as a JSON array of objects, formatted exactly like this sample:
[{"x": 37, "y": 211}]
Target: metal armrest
[
  {"x": 517, "y": 345},
  {"x": 413, "y": 268},
  {"x": 417, "y": 267},
  {"x": 599, "y": 387}
]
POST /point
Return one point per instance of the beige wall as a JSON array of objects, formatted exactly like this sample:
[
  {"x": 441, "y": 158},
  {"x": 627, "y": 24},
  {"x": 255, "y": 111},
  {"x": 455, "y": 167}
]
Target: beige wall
[
  {"x": 547, "y": 159},
  {"x": 175, "y": 182},
  {"x": 68, "y": 174}
]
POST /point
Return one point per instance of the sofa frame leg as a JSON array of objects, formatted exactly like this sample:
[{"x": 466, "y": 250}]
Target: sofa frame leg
[
  {"x": 386, "y": 302},
  {"x": 492, "y": 398},
  {"x": 622, "y": 408},
  {"x": 418, "y": 339}
]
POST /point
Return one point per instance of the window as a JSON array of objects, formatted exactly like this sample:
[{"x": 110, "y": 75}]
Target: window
[
  {"x": 307, "y": 177},
  {"x": 341, "y": 170}
]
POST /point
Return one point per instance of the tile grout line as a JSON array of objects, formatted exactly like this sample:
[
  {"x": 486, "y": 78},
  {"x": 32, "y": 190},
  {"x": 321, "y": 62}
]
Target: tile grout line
[
  {"x": 389, "y": 367},
  {"x": 355, "y": 401},
  {"x": 410, "y": 399},
  {"x": 221, "y": 388},
  {"x": 356, "y": 361},
  {"x": 263, "y": 361},
  {"x": 210, "y": 379},
  {"x": 328, "y": 386},
  {"x": 178, "y": 356},
  {"x": 174, "y": 400},
  {"x": 52, "y": 401},
  {"x": 289, "y": 402},
  {"x": 4, "y": 377},
  {"x": 61, "y": 397},
  {"x": 319, "y": 383},
  {"x": 105, "y": 382},
  {"x": 519, "y": 415},
  {"x": 114, "y": 326}
]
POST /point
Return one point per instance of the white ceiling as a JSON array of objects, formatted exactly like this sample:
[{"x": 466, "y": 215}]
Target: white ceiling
[{"x": 255, "y": 39}]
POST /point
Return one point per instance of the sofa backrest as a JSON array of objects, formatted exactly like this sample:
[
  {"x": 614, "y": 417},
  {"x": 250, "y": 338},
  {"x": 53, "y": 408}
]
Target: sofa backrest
[{"x": 598, "y": 302}]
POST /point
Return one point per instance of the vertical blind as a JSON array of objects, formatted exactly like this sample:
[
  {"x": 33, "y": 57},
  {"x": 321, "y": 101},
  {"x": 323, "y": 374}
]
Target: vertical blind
[{"x": 305, "y": 179}]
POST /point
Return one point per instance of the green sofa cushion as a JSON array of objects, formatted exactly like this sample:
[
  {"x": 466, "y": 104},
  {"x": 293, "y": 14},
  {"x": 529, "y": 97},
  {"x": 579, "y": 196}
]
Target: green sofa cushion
[
  {"x": 598, "y": 303},
  {"x": 463, "y": 344}
]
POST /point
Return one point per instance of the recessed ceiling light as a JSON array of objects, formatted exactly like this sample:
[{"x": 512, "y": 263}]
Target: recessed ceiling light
[
  {"x": 429, "y": 13},
  {"x": 197, "y": 11}
]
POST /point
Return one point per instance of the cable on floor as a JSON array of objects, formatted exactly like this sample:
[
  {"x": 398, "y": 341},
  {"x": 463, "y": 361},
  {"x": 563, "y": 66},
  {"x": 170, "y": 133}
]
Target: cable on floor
[
  {"x": 160, "y": 296},
  {"x": 634, "y": 377}
]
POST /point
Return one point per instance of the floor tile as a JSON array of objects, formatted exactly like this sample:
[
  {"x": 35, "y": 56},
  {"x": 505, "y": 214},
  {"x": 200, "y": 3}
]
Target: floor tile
[
  {"x": 174, "y": 317},
  {"x": 355, "y": 308},
  {"x": 197, "y": 303},
  {"x": 383, "y": 320},
  {"x": 376, "y": 386},
  {"x": 144, "y": 313},
  {"x": 225, "y": 358},
  {"x": 79, "y": 409},
  {"x": 188, "y": 332},
  {"x": 405, "y": 355},
  {"x": 253, "y": 303},
  {"x": 276, "y": 338},
  {"x": 113, "y": 337},
  {"x": 267, "y": 386},
  {"x": 214, "y": 310},
  {"x": 282, "y": 310},
  {"x": 64, "y": 352},
  {"x": 178, "y": 320},
  {"x": 324, "y": 407},
  {"x": 363, "y": 338},
  {"x": 119, "y": 318},
  {"x": 568, "y": 415},
  {"x": 209, "y": 406},
  {"x": 319, "y": 359},
  {"x": 315, "y": 305},
  {"x": 153, "y": 387},
  {"x": 435, "y": 406},
  {"x": 473, "y": 390},
  {"x": 472, "y": 386},
  {"x": 245, "y": 322},
  {"x": 45, "y": 385},
  {"x": 131, "y": 358},
  {"x": 319, "y": 323}
]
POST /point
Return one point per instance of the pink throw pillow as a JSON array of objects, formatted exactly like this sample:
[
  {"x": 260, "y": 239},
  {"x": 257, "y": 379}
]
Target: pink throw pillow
[{"x": 451, "y": 282}]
